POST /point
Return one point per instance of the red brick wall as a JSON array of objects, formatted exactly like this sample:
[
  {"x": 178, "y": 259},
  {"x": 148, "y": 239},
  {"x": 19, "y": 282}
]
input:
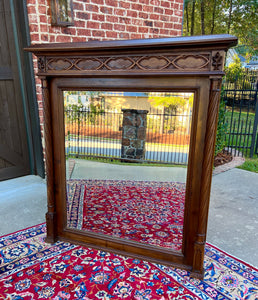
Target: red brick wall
[{"x": 104, "y": 20}]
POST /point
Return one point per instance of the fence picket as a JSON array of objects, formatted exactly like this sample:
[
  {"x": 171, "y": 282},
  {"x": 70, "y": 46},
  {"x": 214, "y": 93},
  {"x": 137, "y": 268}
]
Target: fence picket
[
  {"x": 90, "y": 134},
  {"x": 98, "y": 134},
  {"x": 240, "y": 98}
]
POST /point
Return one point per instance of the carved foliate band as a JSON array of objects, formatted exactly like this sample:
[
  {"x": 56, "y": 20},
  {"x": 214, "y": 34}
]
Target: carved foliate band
[{"x": 183, "y": 62}]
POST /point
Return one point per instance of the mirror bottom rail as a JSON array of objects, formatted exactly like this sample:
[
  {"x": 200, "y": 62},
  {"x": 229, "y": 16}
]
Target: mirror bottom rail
[{"x": 128, "y": 248}]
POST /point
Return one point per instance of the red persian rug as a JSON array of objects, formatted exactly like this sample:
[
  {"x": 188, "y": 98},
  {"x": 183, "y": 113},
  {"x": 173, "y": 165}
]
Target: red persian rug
[
  {"x": 146, "y": 212},
  {"x": 32, "y": 269}
]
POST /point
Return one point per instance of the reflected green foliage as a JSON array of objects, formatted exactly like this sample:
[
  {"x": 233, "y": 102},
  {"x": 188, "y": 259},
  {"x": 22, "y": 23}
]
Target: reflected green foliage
[
  {"x": 91, "y": 111},
  {"x": 172, "y": 102}
]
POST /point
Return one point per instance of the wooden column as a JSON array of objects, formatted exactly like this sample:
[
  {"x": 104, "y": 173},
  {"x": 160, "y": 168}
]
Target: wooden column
[
  {"x": 51, "y": 213},
  {"x": 210, "y": 139}
]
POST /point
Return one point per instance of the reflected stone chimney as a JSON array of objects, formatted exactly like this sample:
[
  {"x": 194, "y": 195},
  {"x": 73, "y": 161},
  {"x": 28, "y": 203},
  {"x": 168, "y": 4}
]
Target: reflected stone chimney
[{"x": 134, "y": 134}]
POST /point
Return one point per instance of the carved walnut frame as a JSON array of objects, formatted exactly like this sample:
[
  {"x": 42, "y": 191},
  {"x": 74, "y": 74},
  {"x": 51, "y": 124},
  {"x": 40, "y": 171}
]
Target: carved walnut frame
[{"x": 192, "y": 64}]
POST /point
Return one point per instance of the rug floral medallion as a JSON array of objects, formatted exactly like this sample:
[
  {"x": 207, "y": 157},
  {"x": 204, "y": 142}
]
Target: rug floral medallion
[
  {"x": 33, "y": 269},
  {"x": 147, "y": 212}
]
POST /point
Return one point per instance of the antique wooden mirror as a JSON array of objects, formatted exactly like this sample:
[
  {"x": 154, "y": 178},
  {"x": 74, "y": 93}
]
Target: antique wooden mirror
[{"x": 162, "y": 219}]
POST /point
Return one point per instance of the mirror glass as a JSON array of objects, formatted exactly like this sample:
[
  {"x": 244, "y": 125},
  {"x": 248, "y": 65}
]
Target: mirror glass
[{"x": 126, "y": 164}]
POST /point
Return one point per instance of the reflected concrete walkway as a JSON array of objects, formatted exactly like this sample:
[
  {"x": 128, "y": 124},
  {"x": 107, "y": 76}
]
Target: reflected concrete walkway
[
  {"x": 233, "y": 222},
  {"x": 153, "y": 152},
  {"x": 85, "y": 169}
]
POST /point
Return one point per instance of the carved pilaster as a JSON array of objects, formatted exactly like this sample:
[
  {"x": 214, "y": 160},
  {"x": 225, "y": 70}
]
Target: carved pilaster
[
  {"x": 51, "y": 214},
  {"x": 199, "y": 247},
  {"x": 210, "y": 136}
]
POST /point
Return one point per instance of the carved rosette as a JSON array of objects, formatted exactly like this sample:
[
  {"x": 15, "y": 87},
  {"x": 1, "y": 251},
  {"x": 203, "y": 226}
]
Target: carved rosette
[{"x": 177, "y": 63}]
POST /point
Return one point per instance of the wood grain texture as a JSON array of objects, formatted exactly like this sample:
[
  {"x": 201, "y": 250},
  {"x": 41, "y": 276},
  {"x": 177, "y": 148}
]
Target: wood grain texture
[
  {"x": 51, "y": 214},
  {"x": 182, "y": 62},
  {"x": 220, "y": 41},
  {"x": 210, "y": 137},
  {"x": 164, "y": 65}
]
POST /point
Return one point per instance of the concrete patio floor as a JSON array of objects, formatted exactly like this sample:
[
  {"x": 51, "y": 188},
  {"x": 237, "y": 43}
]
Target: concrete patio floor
[{"x": 233, "y": 222}]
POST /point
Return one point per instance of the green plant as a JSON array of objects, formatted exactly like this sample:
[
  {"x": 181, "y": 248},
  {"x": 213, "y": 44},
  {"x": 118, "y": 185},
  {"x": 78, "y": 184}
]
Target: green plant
[
  {"x": 95, "y": 110},
  {"x": 73, "y": 112},
  {"x": 234, "y": 71},
  {"x": 236, "y": 17},
  {"x": 222, "y": 127},
  {"x": 250, "y": 164},
  {"x": 77, "y": 112},
  {"x": 172, "y": 103}
]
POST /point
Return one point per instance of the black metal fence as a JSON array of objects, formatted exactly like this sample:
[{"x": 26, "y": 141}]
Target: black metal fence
[
  {"x": 168, "y": 136},
  {"x": 241, "y": 115},
  {"x": 98, "y": 134},
  {"x": 93, "y": 133}
]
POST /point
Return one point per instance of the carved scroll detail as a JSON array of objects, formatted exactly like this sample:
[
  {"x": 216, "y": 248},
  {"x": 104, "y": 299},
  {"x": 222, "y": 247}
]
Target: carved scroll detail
[
  {"x": 211, "y": 129},
  {"x": 188, "y": 62},
  {"x": 51, "y": 214}
]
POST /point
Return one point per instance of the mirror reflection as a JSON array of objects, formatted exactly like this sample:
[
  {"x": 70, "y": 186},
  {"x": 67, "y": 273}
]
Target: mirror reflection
[{"x": 126, "y": 164}]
